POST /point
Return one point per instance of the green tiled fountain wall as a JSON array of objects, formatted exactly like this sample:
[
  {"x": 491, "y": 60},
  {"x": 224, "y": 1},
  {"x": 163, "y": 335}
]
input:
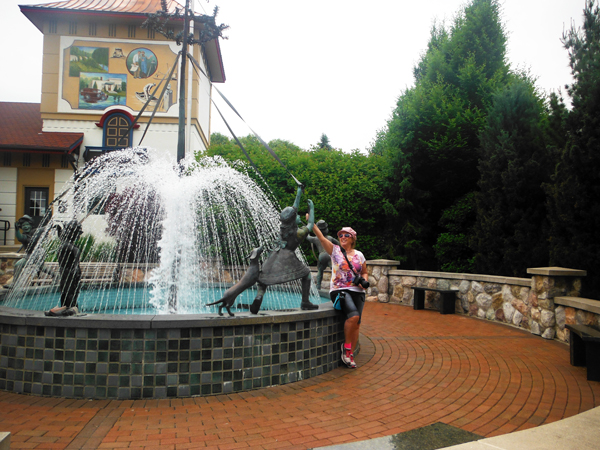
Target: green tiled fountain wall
[{"x": 120, "y": 363}]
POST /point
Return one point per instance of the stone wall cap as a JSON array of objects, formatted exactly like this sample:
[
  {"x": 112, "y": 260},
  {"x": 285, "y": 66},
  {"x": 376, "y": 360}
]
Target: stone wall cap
[
  {"x": 585, "y": 304},
  {"x": 463, "y": 276},
  {"x": 557, "y": 272},
  {"x": 14, "y": 316},
  {"x": 383, "y": 262}
]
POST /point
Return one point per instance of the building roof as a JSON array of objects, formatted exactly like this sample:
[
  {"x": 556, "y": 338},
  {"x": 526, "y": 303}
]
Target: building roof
[
  {"x": 21, "y": 131},
  {"x": 120, "y": 6},
  {"x": 135, "y": 9}
]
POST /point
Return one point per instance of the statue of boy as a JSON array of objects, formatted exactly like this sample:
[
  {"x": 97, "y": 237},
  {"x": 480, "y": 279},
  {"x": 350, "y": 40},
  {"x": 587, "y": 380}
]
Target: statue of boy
[
  {"x": 24, "y": 230},
  {"x": 324, "y": 260},
  {"x": 28, "y": 236},
  {"x": 23, "y": 233},
  {"x": 68, "y": 256},
  {"x": 281, "y": 266}
]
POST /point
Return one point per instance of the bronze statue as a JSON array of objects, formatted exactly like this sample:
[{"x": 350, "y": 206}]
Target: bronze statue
[
  {"x": 323, "y": 260},
  {"x": 28, "y": 236},
  {"x": 282, "y": 264},
  {"x": 24, "y": 230},
  {"x": 248, "y": 280},
  {"x": 24, "y": 234},
  {"x": 70, "y": 272}
]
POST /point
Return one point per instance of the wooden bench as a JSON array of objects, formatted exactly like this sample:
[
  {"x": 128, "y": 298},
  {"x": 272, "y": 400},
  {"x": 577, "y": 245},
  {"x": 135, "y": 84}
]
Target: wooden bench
[
  {"x": 448, "y": 299},
  {"x": 585, "y": 349},
  {"x": 91, "y": 273}
]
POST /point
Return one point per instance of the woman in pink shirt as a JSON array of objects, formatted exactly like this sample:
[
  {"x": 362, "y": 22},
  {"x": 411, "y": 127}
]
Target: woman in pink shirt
[{"x": 349, "y": 283}]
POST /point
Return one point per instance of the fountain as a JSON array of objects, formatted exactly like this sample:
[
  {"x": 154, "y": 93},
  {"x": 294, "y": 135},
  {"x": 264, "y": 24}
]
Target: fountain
[{"x": 159, "y": 245}]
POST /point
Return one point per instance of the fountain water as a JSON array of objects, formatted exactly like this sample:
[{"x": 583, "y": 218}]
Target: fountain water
[
  {"x": 169, "y": 239},
  {"x": 173, "y": 233}
]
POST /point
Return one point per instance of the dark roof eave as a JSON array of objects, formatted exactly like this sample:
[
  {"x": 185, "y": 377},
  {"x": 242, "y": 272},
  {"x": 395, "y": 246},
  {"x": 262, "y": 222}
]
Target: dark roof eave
[
  {"x": 42, "y": 148},
  {"x": 215, "y": 57},
  {"x": 75, "y": 145},
  {"x": 26, "y": 149}
]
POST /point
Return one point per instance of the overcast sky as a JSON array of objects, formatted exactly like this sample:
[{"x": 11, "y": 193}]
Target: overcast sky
[{"x": 297, "y": 69}]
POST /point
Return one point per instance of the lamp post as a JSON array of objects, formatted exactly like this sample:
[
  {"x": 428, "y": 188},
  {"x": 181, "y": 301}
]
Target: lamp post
[
  {"x": 184, "y": 49},
  {"x": 208, "y": 31}
]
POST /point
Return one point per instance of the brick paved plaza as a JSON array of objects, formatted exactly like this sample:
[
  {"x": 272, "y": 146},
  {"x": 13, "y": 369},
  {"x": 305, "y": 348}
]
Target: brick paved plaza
[{"x": 415, "y": 368}]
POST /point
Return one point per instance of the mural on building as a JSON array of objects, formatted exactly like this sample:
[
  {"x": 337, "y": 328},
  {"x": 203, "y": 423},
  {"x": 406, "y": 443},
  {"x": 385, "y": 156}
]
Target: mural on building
[
  {"x": 97, "y": 75},
  {"x": 87, "y": 59},
  {"x": 141, "y": 63},
  {"x": 117, "y": 53},
  {"x": 101, "y": 90}
]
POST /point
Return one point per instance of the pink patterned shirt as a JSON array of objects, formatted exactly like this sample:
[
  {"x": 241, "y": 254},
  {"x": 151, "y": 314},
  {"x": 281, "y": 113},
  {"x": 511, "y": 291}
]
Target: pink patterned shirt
[{"x": 341, "y": 275}]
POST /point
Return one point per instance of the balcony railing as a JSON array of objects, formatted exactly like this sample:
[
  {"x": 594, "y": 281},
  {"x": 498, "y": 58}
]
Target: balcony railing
[{"x": 91, "y": 152}]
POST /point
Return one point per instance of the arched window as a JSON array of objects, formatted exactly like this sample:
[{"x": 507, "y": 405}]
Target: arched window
[{"x": 115, "y": 131}]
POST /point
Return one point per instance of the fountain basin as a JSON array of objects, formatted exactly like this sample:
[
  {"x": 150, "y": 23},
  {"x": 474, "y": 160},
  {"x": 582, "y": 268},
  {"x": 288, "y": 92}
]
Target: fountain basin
[
  {"x": 133, "y": 299},
  {"x": 102, "y": 356}
]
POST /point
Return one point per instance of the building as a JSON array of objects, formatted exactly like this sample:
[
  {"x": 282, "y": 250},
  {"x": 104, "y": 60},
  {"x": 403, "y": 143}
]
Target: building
[{"x": 100, "y": 68}]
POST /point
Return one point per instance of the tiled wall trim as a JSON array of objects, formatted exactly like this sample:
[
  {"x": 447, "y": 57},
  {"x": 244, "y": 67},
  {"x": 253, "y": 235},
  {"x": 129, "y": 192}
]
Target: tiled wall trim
[{"x": 111, "y": 357}]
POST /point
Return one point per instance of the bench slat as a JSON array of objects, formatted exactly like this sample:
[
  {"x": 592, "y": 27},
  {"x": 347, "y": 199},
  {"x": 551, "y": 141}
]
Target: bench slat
[
  {"x": 90, "y": 273},
  {"x": 445, "y": 291},
  {"x": 586, "y": 333},
  {"x": 585, "y": 349}
]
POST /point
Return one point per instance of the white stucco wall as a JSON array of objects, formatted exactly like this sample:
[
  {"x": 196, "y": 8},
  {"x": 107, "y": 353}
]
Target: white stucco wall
[
  {"x": 204, "y": 105},
  {"x": 162, "y": 137},
  {"x": 61, "y": 177},
  {"x": 63, "y": 209},
  {"x": 8, "y": 201}
]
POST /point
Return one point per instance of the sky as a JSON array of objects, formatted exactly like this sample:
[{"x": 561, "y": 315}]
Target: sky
[{"x": 298, "y": 69}]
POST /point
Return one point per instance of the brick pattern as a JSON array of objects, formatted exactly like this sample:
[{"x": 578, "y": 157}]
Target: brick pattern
[{"x": 415, "y": 368}]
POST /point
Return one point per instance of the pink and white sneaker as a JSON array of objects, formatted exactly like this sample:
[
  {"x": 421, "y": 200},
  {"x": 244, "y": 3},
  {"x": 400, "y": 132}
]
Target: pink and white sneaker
[{"x": 348, "y": 357}]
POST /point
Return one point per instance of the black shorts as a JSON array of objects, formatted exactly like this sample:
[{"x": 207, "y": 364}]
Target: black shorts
[{"x": 353, "y": 304}]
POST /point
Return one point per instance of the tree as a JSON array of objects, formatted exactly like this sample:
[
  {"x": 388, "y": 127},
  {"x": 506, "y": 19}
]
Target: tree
[
  {"x": 432, "y": 138},
  {"x": 100, "y": 55},
  {"x": 324, "y": 142},
  {"x": 346, "y": 188},
  {"x": 511, "y": 229},
  {"x": 575, "y": 188},
  {"x": 452, "y": 249}
]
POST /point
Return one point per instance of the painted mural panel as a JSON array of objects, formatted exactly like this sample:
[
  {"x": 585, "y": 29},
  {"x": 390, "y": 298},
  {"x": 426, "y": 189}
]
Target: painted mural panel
[
  {"x": 100, "y": 74},
  {"x": 101, "y": 90},
  {"x": 142, "y": 63},
  {"x": 87, "y": 59}
]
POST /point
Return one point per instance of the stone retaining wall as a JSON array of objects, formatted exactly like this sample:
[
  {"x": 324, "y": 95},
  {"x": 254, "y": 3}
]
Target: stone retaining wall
[
  {"x": 537, "y": 304},
  {"x": 527, "y": 303}
]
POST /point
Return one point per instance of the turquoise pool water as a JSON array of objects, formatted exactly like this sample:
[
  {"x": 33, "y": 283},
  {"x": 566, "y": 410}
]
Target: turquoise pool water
[{"x": 137, "y": 301}]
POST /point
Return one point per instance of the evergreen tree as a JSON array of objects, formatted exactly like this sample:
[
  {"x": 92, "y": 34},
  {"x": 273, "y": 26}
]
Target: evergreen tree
[
  {"x": 432, "y": 138},
  {"x": 575, "y": 189},
  {"x": 511, "y": 229},
  {"x": 324, "y": 142},
  {"x": 453, "y": 250}
]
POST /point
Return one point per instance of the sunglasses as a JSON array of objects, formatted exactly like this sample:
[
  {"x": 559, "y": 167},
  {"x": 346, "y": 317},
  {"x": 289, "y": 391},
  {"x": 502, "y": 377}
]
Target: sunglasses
[{"x": 346, "y": 235}]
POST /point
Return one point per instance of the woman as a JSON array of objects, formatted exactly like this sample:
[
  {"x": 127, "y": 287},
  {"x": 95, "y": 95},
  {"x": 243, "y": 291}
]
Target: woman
[{"x": 344, "y": 283}]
